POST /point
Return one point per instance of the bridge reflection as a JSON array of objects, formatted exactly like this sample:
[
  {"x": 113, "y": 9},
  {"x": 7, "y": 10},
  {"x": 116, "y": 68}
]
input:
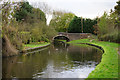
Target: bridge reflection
[{"x": 60, "y": 44}]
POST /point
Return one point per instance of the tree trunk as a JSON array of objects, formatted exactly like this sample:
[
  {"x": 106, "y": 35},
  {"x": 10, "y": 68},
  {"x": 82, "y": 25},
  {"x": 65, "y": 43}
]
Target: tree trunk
[{"x": 7, "y": 48}]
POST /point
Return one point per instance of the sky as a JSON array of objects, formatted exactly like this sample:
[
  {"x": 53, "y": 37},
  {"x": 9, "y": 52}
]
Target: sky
[
  {"x": 81, "y": 8},
  {"x": 84, "y": 8}
]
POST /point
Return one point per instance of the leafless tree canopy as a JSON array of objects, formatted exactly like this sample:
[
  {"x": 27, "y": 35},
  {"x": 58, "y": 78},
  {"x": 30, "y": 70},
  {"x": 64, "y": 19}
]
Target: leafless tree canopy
[{"x": 42, "y": 6}]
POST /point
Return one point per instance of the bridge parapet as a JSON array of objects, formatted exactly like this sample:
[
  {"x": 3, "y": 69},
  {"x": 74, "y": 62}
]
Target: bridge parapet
[{"x": 74, "y": 36}]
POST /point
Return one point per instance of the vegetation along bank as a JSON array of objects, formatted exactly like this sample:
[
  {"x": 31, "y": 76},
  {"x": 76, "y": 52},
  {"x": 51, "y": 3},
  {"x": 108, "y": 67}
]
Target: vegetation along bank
[{"x": 34, "y": 46}]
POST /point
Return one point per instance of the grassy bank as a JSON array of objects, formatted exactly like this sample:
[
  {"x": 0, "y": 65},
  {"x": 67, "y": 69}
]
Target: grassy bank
[
  {"x": 108, "y": 68},
  {"x": 33, "y": 45}
]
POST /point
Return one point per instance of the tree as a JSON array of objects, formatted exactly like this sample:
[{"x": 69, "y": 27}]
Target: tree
[
  {"x": 75, "y": 25},
  {"x": 48, "y": 33},
  {"x": 42, "y": 6},
  {"x": 6, "y": 14},
  {"x": 61, "y": 21},
  {"x": 103, "y": 26},
  {"x": 117, "y": 11},
  {"x": 117, "y": 8},
  {"x": 38, "y": 15},
  {"x": 26, "y": 13},
  {"x": 22, "y": 10},
  {"x": 88, "y": 25},
  {"x": 9, "y": 32},
  {"x": 107, "y": 29}
]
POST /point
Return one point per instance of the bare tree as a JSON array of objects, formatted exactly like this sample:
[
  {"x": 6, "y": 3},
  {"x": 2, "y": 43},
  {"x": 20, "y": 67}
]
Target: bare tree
[
  {"x": 45, "y": 8},
  {"x": 42, "y": 6}
]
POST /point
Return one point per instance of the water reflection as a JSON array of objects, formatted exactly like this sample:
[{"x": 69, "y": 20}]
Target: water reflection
[
  {"x": 60, "y": 44},
  {"x": 62, "y": 61}
]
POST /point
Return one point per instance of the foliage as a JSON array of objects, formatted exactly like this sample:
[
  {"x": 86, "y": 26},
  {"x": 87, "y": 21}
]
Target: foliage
[
  {"x": 25, "y": 24},
  {"x": 95, "y": 29},
  {"x": 117, "y": 8},
  {"x": 22, "y": 10},
  {"x": 7, "y": 26},
  {"x": 88, "y": 25},
  {"x": 36, "y": 32},
  {"x": 109, "y": 25},
  {"x": 61, "y": 21},
  {"x": 6, "y": 14},
  {"x": 103, "y": 26},
  {"x": 38, "y": 15},
  {"x": 25, "y": 12},
  {"x": 34, "y": 26},
  {"x": 49, "y": 32},
  {"x": 107, "y": 68},
  {"x": 75, "y": 25},
  {"x": 108, "y": 28},
  {"x": 117, "y": 11}
]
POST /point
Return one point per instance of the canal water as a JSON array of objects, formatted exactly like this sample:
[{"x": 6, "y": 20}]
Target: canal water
[{"x": 56, "y": 61}]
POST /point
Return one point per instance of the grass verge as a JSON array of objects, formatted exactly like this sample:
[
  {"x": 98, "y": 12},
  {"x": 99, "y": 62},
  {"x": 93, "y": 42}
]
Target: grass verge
[
  {"x": 108, "y": 67},
  {"x": 33, "y": 45}
]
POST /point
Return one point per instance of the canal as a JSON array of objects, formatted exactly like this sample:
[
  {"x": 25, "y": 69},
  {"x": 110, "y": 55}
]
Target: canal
[{"x": 56, "y": 61}]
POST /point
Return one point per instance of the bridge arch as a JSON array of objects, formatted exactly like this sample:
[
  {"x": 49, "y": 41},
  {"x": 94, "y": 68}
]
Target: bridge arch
[{"x": 61, "y": 37}]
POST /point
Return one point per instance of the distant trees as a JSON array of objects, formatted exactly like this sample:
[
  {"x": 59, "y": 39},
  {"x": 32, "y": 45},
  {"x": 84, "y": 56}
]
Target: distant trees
[
  {"x": 75, "y": 25},
  {"x": 68, "y": 22},
  {"x": 88, "y": 25},
  {"x": 61, "y": 20}
]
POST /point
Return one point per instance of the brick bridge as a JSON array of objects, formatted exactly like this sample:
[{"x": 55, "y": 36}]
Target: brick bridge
[{"x": 71, "y": 36}]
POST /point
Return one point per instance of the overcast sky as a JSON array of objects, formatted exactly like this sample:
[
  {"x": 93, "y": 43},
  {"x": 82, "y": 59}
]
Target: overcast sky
[{"x": 84, "y": 8}]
